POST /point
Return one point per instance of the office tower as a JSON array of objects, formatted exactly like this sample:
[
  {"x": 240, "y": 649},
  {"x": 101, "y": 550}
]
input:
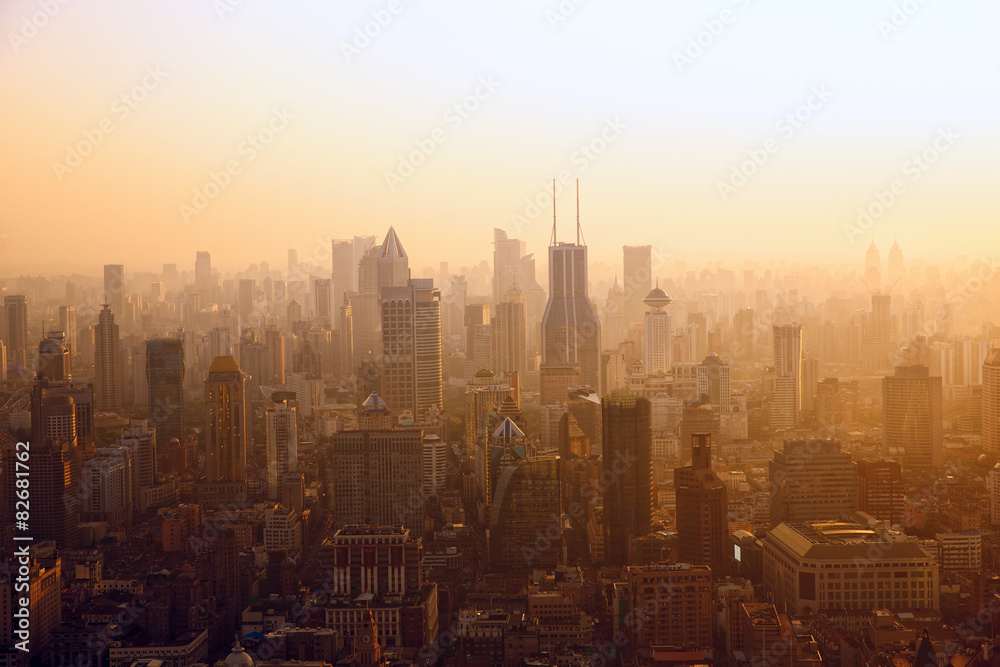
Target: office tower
[
  {"x": 53, "y": 359},
  {"x": 282, "y": 441},
  {"x": 220, "y": 342},
  {"x": 16, "y": 311},
  {"x": 344, "y": 274},
  {"x": 656, "y": 330},
  {"x": 435, "y": 464},
  {"x": 787, "y": 399},
  {"x": 797, "y": 555},
  {"x": 696, "y": 417},
  {"x": 637, "y": 261},
  {"x": 139, "y": 440},
  {"x": 812, "y": 480},
  {"x": 293, "y": 262},
  {"x": 571, "y": 333},
  {"x": 702, "y": 510},
  {"x": 880, "y": 489},
  {"x": 896, "y": 269},
  {"x": 613, "y": 324},
  {"x": 627, "y": 459},
  {"x": 165, "y": 377},
  {"x": 106, "y": 481},
  {"x": 510, "y": 333},
  {"x": 202, "y": 269},
  {"x": 378, "y": 478},
  {"x": 810, "y": 380},
  {"x": 873, "y": 268},
  {"x": 672, "y": 619},
  {"x": 765, "y": 638},
  {"x": 478, "y": 339},
  {"x": 507, "y": 254},
  {"x": 744, "y": 334},
  {"x": 345, "y": 339},
  {"x": 361, "y": 245},
  {"x": 698, "y": 330},
  {"x": 878, "y": 338},
  {"x": 712, "y": 380},
  {"x": 114, "y": 289},
  {"x": 911, "y": 417},
  {"x": 255, "y": 362},
  {"x": 990, "y": 413},
  {"x": 453, "y": 308},
  {"x": 107, "y": 363},
  {"x": 227, "y": 421},
  {"x": 323, "y": 301},
  {"x": 526, "y": 504},
  {"x": 246, "y": 295},
  {"x": 275, "y": 342},
  {"x": 55, "y": 470},
  {"x": 486, "y": 393},
  {"x": 67, "y": 322},
  {"x": 411, "y": 344}
]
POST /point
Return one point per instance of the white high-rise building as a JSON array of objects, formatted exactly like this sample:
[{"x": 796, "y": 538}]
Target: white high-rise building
[
  {"x": 282, "y": 442},
  {"x": 435, "y": 464},
  {"x": 787, "y": 399},
  {"x": 411, "y": 347},
  {"x": 991, "y": 402},
  {"x": 657, "y": 332}
]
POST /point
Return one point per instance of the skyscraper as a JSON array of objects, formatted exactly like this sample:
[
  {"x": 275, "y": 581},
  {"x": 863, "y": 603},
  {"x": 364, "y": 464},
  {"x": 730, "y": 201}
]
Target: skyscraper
[
  {"x": 911, "y": 417},
  {"x": 247, "y": 292},
  {"x": 67, "y": 322},
  {"x": 638, "y": 277},
  {"x": 507, "y": 254},
  {"x": 812, "y": 480},
  {"x": 787, "y": 401},
  {"x": 656, "y": 328},
  {"x": 393, "y": 262},
  {"x": 873, "y": 268},
  {"x": 990, "y": 412},
  {"x": 510, "y": 333},
  {"x": 526, "y": 504},
  {"x": 895, "y": 263},
  {"x": 282, "y": 441},
  {"x": 744, "y": 334},
  {"x": 411, "y": 344},
  {"x": 275, "y": 341},
  {"x": 227, "y": 421},
  {"x": 627, "y": 460},
  {"x": 255, "y": 361},
  {"x": 323, "y": 301},
  {"x": 702, "y": 510},
  {"x": 107, "y": 363},
  {"x": 114, "y": 289},
  {"x": 16, "y": 310},
  {"x": 571, "y": 333},
  {"x": 165, "y": 376},
  {"x": 344, "y": 274},
  {"x": 881, "y": 490},
  {"x": 202, "y": 269}
]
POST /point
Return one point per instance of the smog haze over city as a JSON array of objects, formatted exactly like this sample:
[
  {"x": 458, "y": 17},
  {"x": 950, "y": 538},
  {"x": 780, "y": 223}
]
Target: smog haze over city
[{"x": 528, "y": 333}]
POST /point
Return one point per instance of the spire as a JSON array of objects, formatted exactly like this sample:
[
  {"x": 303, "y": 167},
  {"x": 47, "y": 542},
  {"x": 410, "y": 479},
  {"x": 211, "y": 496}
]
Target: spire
[
  {"x": 391, "y": 247},
  {"x": 579, "y": 230},
  {"x": 552, "y": 240}
]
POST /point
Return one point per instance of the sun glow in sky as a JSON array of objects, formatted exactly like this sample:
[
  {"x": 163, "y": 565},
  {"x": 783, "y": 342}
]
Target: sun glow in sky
[{"x": 140, "y": 132}]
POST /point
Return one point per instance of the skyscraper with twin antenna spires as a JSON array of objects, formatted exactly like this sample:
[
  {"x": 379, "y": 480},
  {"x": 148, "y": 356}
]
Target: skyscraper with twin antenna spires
[{"x": 571, "y": 333}]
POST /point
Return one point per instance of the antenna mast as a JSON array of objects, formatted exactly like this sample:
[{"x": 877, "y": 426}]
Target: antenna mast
[
  {"x": 579, "y": 229},
  {"x": 552, "y": 240}
]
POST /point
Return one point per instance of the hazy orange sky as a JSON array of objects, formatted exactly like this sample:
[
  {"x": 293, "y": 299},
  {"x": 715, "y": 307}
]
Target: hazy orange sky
[{"x": 161, "y": 95}]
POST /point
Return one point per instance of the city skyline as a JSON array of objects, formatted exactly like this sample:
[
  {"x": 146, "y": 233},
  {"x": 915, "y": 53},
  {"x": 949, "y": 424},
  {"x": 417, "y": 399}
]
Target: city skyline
[{"x": 668, "y": 135}]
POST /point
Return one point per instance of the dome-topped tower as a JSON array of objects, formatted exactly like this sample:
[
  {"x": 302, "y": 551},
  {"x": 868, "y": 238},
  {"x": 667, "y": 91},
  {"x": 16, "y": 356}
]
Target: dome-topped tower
[
  {"x": 657, "y": 298},
  {"x": 656, "y": 327},
  {"x": 239, "y": 657}
]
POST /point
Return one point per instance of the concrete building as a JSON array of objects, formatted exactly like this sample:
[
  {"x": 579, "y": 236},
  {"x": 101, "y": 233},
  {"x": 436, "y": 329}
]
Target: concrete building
[{"x": 812, "y": 480}]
